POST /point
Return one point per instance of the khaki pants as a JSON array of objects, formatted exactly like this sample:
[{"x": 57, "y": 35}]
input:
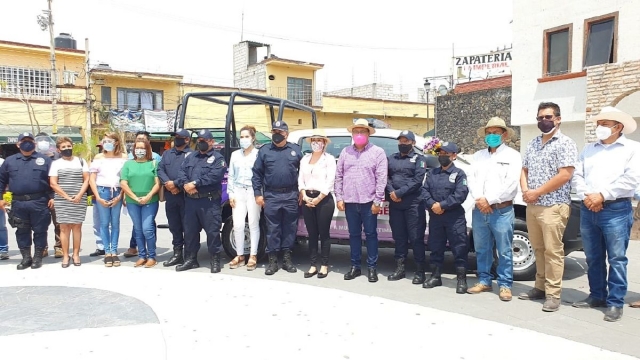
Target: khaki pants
[{"x": 546, "y": 225}]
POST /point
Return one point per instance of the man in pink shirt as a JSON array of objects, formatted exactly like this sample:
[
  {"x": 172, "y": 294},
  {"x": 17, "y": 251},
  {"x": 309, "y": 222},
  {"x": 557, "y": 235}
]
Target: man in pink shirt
[{"x": 361, "y": 177}]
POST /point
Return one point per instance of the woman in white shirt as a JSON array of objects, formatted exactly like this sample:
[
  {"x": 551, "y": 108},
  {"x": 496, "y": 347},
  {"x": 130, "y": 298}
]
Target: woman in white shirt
[
  {"x": 241, "y": 197},
  {"x": 315, "y": 182},
  {"x": 69, "y": 178},
  {"x": 105, "y": 183}
]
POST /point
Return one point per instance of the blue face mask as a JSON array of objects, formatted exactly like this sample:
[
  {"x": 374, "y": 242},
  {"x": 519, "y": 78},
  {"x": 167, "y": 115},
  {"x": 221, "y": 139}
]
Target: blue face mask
[{"x": 493, "y": 140}]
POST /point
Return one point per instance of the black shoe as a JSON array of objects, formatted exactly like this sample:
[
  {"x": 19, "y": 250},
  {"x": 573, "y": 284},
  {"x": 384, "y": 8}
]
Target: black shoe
[
  {"x": 323, "y": 275},
  {"x": 418, "y": 276},
  {"x": 176, "y": 258},
  {"x": 308, "y": 274},
  {"x": 461, "y": 273},
  {"x": 287, "y": 263},
  {"x": 353, "y": 273},
  {"x": 27, "y": 260},
  {"x": 37, "y": 258},
  {"x": 373, "y": 275},
  {"x": 589, "y": 303},
  {"x": 97, "y": 253},
  {"x": 613, "y": 314},
  {"x": 435, "y": 279},
  {"x": 190, "y": 263},
  {"x": 272, "y": 268},
  {"x": 215, "y": 264},
  {"x": 398, "y": 274}
]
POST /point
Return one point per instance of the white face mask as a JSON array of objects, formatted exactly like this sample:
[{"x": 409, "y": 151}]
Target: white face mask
[
  {"x": 43, "y": 146},
  {"x": 140, "y": 153},
  {"x": 245, "y": 142},
  {"x": 603, "y": 132},
  {"x": 317, "y": 146}
]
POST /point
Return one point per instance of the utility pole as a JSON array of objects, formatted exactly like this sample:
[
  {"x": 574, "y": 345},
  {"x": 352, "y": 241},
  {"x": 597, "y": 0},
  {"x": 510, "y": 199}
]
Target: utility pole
[
  {"x": 54, "y": 74},
  {"x": 87, "y": 132}
]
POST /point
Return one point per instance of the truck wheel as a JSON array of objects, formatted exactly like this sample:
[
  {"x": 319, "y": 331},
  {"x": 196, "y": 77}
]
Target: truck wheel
[
  {"x": 524, "y": 260},
  {"x": 229, "y": 243}
]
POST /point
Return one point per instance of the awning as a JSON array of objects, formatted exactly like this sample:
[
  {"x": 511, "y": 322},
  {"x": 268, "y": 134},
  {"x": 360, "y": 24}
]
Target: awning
[{"x": 9, "y": 133}]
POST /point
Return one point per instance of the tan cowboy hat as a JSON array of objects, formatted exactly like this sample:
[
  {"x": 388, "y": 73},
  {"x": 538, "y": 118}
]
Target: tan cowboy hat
[
  {"x": 318, "y": 134},
  {"x": 611, "y": 113},
  {"x": 496, "y": 122},
  {"x": 362, "y": 123}
]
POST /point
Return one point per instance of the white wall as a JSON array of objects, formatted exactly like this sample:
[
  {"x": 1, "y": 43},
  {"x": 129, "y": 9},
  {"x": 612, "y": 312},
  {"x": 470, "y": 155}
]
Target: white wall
[{"x": 574, "y": 130}]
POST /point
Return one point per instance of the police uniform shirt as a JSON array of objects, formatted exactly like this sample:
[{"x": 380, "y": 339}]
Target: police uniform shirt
[
  {"x": 207, "y": 170},
  {"x": 406, "y": 174},
  {"x": 26, "y": 174},
  {"x": 276, "y": 167},
  {"x": 170, "y": 164},
  {"x": 447, "y": 187}
]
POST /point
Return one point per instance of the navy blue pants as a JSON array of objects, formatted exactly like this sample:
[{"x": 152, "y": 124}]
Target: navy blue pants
[
  {"x": 451, "y": 226},
  {"x": 407, "y": 229},
  {"x": 38, "y": 215},
  {"x": 201, "y": 214},
  {"x": 281, "y": 215},
  {"x": 174, "y": 207}
]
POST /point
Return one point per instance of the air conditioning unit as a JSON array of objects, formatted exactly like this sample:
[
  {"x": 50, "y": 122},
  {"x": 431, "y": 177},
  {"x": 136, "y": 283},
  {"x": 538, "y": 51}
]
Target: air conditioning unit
[{"x": 69, "y": 77}]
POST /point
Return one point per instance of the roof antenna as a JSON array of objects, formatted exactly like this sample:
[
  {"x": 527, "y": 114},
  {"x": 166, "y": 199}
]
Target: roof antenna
[{"x": 242, "y": 27}]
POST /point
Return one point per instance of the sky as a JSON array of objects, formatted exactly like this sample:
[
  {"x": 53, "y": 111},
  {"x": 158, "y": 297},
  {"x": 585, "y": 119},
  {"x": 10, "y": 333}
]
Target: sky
[{"x": 397, "y": 42}]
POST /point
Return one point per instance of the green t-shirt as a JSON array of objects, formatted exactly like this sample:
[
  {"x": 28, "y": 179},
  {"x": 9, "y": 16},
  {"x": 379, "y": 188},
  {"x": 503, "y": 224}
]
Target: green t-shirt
[{"x": 141, "y": 178}]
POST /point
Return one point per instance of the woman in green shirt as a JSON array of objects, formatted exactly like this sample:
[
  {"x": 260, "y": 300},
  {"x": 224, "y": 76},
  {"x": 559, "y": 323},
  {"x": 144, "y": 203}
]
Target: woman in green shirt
[{"x": 139, "y": 181}]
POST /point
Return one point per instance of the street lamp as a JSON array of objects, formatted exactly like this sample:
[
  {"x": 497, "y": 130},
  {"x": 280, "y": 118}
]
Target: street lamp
[{"x": 427, "y": 87}]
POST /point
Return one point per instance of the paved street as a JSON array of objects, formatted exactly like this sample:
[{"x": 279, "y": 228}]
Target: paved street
[{"x": 107, "y": 311}]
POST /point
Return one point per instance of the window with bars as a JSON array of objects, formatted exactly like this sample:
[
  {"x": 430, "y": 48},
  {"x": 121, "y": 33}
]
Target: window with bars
[
  {"x": 19, "y": 81},
  {"x": 137, "y": 99},
  {"x": 300, "y": 91}
]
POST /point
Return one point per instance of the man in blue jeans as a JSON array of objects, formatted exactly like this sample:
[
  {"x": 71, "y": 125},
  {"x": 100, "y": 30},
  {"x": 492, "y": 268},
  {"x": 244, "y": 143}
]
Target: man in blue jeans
[
  {"x": 606, "y": 178},
  {"x": 494, "y": 184}
]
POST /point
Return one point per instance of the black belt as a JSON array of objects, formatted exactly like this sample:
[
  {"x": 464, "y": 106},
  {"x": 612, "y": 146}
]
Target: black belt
[
  {"x": 607, "y": 202},
  {"x": 312, "y": 193},
  {"x": 211, "y": 195},
  {"x": 283, "y": 190},
  {"x": 27, "y": 197}
]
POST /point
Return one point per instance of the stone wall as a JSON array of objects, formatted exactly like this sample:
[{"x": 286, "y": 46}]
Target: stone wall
[
  {"x": 371, "y": 91},
  {"x": 607, "y": 84},
  {"x": 247, "y": 76},
  {"x": 459, "y": 116}
]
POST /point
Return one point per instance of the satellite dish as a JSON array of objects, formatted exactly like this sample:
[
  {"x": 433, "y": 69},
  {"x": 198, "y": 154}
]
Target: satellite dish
[{"x": 442, "y": 90}]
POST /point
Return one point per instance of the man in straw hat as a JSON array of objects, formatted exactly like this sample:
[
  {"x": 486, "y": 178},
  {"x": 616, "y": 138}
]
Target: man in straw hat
[
  {"x": 606, "y": 179},
  {"x": 547, "y": 168},
  {"x": 495, "y": 178},
  {"x": 361, "y": 177}
]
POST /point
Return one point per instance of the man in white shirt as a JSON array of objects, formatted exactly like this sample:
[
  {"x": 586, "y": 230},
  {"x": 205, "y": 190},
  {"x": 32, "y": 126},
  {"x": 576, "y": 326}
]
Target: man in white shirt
[
  {"x": 606, "y": 178},
  {"x": 494, "y": 185}
]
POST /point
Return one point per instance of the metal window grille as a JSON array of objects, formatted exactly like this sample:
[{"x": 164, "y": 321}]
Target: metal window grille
[{"x": 27, "y": 82}]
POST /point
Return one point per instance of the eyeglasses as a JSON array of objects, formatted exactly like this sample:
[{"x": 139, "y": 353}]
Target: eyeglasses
[{"x": 545, "y": 117}]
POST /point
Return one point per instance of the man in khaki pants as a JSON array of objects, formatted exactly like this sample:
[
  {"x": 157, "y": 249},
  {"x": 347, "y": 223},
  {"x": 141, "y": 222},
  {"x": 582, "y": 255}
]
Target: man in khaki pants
[{"x": 547, "y": 169}]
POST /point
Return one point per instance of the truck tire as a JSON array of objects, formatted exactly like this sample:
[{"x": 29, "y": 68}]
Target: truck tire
[{"x": 229, "y": 244}]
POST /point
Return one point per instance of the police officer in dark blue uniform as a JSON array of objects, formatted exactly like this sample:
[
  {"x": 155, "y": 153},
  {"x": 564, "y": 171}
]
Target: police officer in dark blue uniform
[
  {"x": 168, "y": 171},
  {"x": 407, "y": 216},
  {"x": 27, "y": 175},
  {"x": 445, "y": 190},
  {"x": 275, "y": 186},
  {"x": 201, "y": 178}
]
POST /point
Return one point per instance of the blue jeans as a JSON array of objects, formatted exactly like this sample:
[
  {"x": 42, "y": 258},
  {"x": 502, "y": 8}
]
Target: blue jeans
[
  {"x": 143, "y": 217},
  {"x": 605, "y": 237},
  {"x": 4, "y": 236},
  {"x": 359, "y": 216},
  {"x": 109, "y": 216},
  {"x": 494, "y": 228}
]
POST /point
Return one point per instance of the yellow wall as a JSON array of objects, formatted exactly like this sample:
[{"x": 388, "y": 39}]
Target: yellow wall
[
  {"x": 278, "y": 86},
  {"x": 169, "y": 87},
  {"x": 377, "y": 107}
]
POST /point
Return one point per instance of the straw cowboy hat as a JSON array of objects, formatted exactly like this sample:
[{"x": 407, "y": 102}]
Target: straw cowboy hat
[
  {"x": 362, "y": 123},
  {"x": 318, "y": 134},
  {"x": 496, "y": 122},
  {"x": 611, "y": 113}
]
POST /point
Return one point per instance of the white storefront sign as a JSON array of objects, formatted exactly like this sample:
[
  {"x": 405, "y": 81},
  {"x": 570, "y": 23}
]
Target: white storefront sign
[{"x": 483, "y": 66}]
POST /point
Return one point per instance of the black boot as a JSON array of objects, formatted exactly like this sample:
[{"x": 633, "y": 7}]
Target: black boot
[
  {"x": 191, "y": 262},
  {"x": 37, "y": 258},
  {"x": 215, "y": 263},
  {"x": 435, "y": 278},
  {"x": 26, "y": 259},
  {"x": 461, "y": 288},
  {"x": 287, "y": 264},
  {"x": 399, "y": 273},
  {"x": 272, "y": 268},
  {"x": 418, "y": 277},
  {"x": 176, "y": 258}
]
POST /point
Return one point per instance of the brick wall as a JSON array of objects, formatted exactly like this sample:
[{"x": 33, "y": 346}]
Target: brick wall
[
  {"x": 245, "y": 76},
  {"x": 607, "y": 84},
  {"x": 493, "y": 83}
]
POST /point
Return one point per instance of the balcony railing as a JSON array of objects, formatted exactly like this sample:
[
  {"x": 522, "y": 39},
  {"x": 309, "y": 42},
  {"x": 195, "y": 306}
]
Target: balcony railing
[{"x": 303, "y": 97}]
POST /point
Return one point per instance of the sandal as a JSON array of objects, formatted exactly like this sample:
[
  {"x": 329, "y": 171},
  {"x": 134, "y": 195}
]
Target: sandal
[
  {"x": 108, "y": 261},
  {"x": 116, "y": 260},
  {"x": 253, "y": 262},
  {"x": 237, "y": 262}
]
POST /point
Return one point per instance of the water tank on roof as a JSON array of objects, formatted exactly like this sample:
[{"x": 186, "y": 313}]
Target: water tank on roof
[{"x": 65, "y": 41}]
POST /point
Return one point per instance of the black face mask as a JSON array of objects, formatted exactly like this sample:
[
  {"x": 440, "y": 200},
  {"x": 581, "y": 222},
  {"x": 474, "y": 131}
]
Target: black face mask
[
  {"x": 66, "y": 152},
  {"x": 444, "y": 160},
  {"x": 277, "y": 138},
  {"x": 404, "y": 148},
  {"x": 546, "y": 126},
  {"x": 178, "y": 142},
  {"x": 203, "y": 146}
]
